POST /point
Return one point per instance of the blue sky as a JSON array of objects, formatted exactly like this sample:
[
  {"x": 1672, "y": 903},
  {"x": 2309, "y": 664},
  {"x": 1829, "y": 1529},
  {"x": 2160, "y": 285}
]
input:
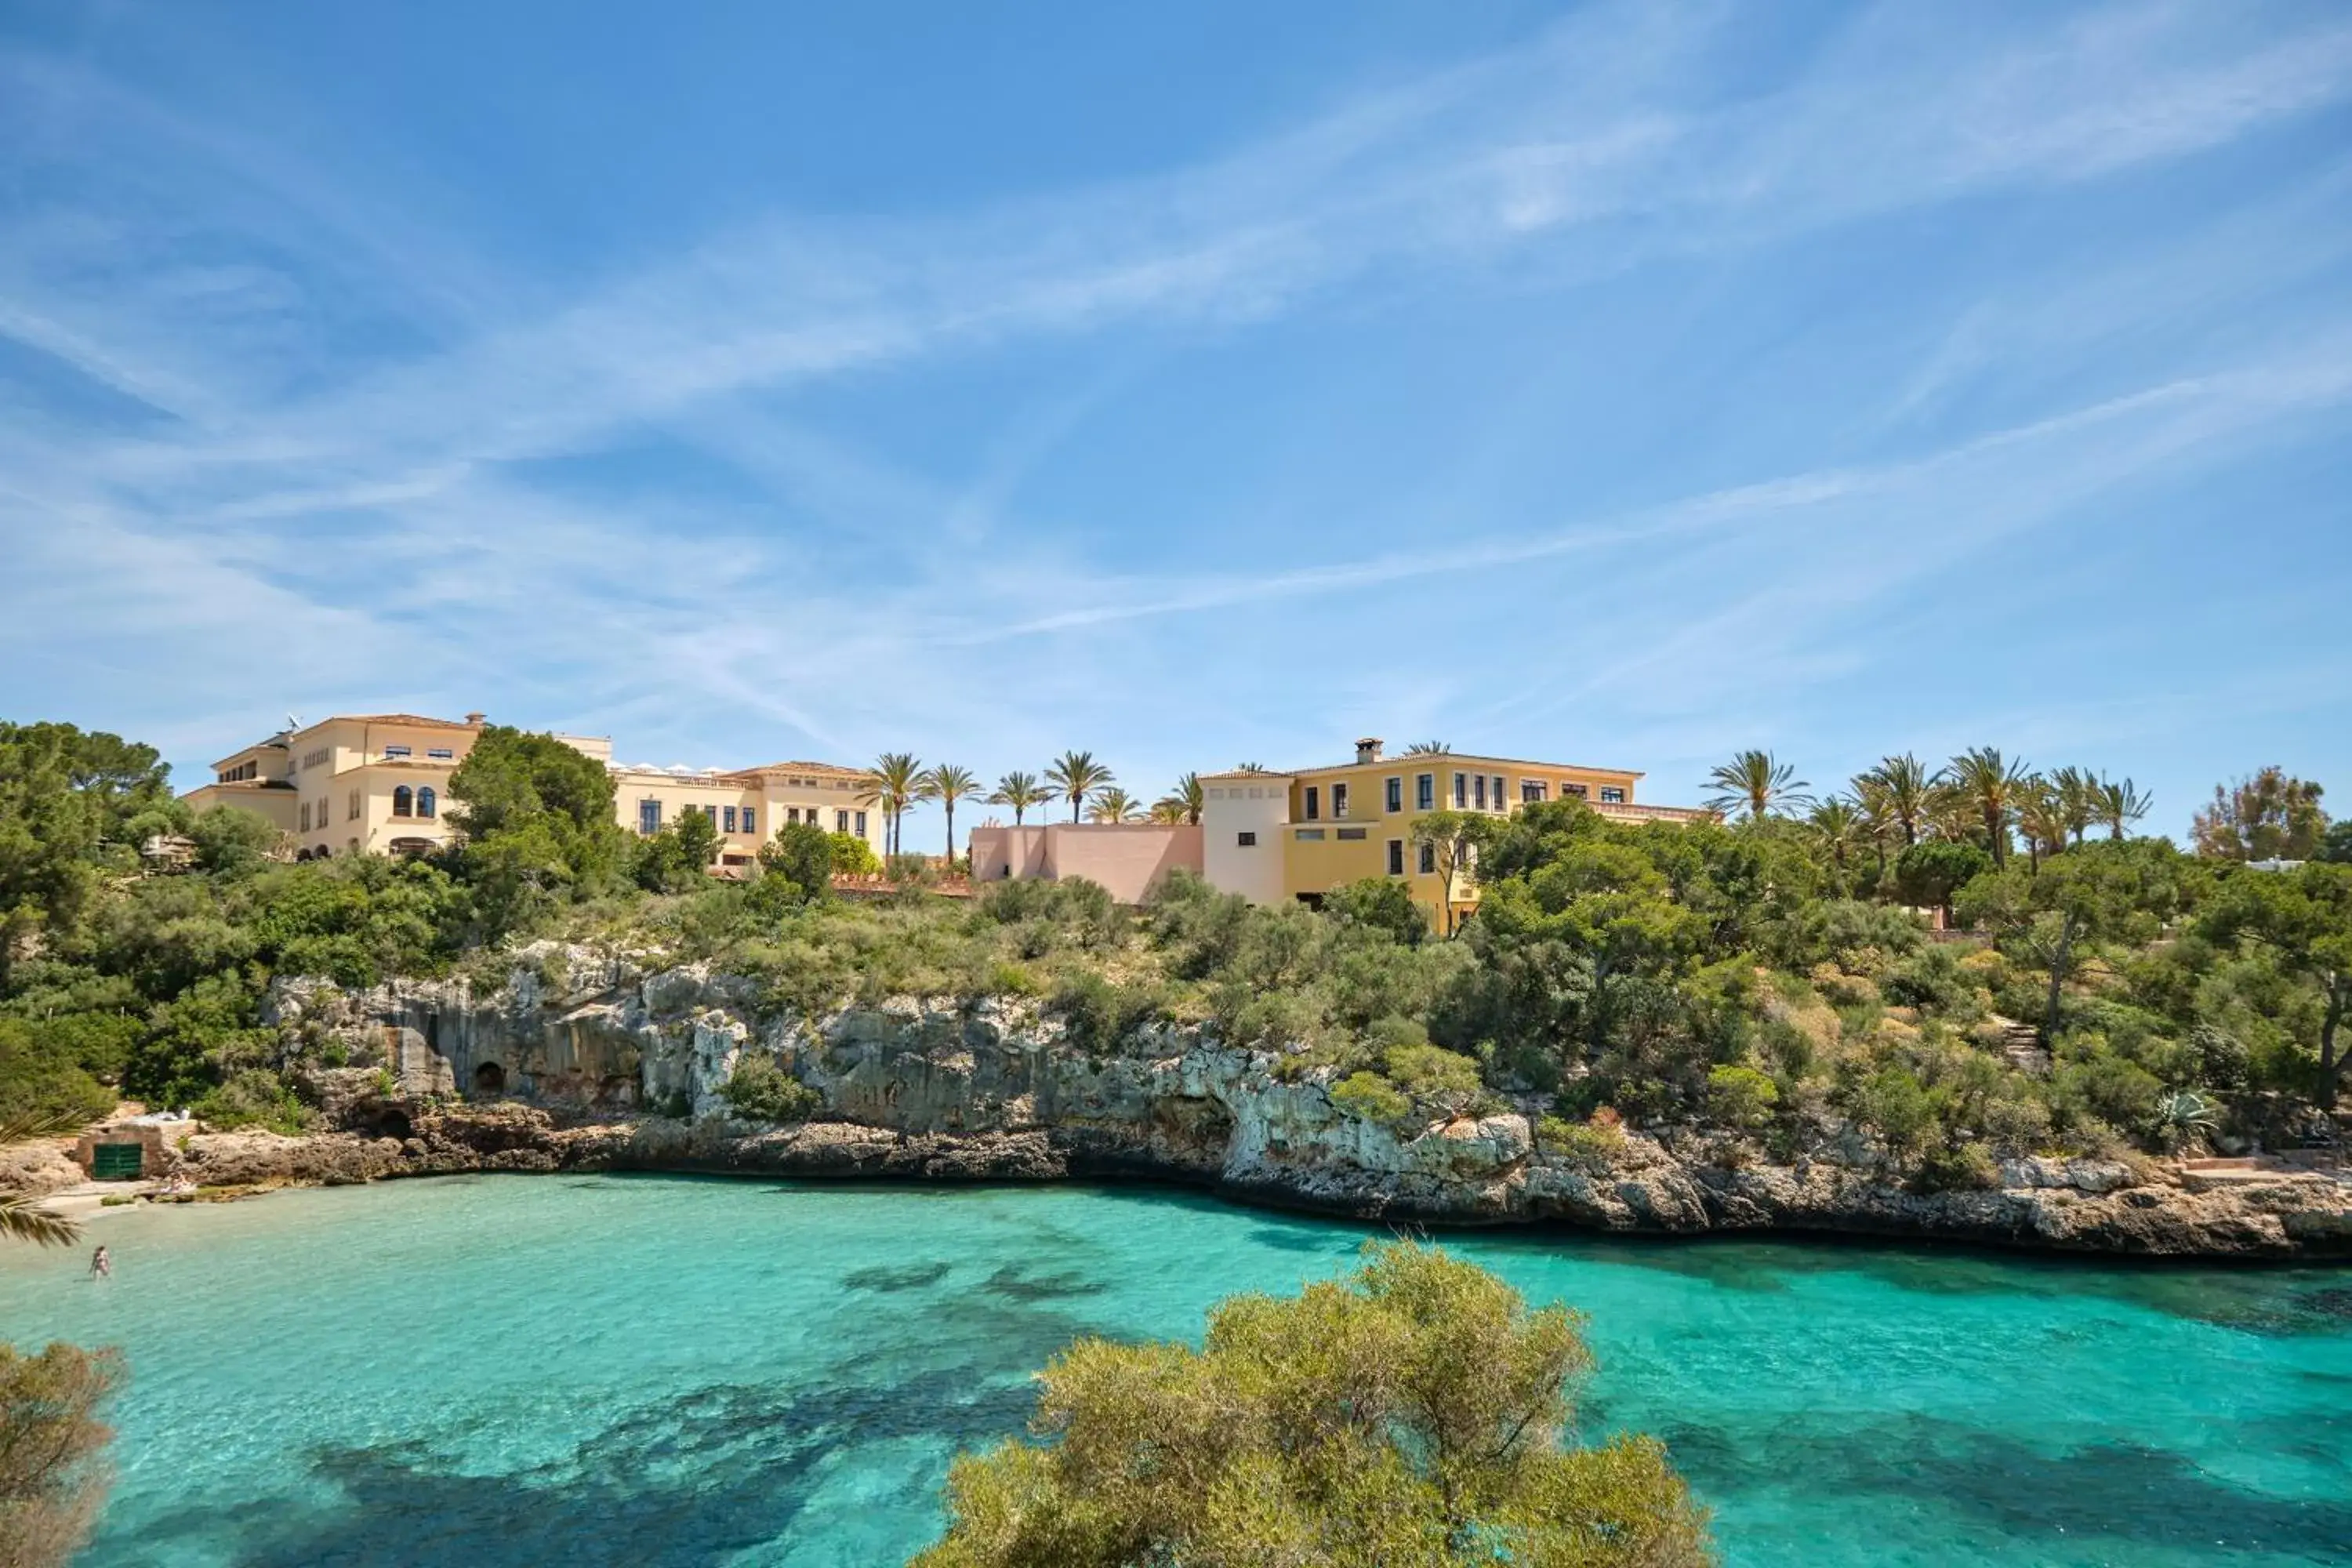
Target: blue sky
[{"x": 1189, "y": 384}]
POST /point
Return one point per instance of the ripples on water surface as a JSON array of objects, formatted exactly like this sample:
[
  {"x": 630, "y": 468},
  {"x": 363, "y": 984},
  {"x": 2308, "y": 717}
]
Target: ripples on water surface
[{"x": 652, "y": 1372}]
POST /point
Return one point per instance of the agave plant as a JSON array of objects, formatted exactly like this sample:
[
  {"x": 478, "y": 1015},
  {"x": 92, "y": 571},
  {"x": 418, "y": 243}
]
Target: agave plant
[{"x": 2183, "y": 1117}]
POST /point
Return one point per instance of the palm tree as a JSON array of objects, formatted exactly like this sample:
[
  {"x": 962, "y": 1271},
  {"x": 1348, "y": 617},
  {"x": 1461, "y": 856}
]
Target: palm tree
[
  {"x": 1902, "y": 791},
  {"x": 1187, "y": 797},
  {"x": 1020, "y": 790},
  {"x": 1168, "y": 811},
  {"x": 1985, "y": 783},
  {"x": 1838, "y": 828},
  {"x": 1757, "y": 783},
  {"x": 24, "y": 1218},
  {"x": 1429, "y": 748},
  {"x": 900, "y": 782},
  {"x": 22, "y": 1215},
  {"x": 1876, "y": 818},
  {"x": 1250, "y": 768},
  {"x": 1112, "y": 804},
  {"x": 2077, "y": 792},
  {"x": 1077, "y": 775},
  {"x": 948, "y": 784},
  {"x": 2042, "y": 817},
  {"x": 2120, "y": 805}
]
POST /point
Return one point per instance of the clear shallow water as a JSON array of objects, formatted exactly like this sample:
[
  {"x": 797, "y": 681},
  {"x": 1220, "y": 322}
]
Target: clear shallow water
[{"x": 650, "y": 1371}]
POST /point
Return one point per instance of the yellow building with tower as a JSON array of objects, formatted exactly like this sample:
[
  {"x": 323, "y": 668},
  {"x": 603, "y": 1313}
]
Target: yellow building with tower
[
  {"x": 1279, "y": 837},
  {"x": 378, "y": 784}
]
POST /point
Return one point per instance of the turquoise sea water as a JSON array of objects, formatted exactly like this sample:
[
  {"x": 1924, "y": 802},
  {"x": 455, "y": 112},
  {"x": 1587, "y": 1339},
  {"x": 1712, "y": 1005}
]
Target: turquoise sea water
[{"x": 651, "y": 1371}]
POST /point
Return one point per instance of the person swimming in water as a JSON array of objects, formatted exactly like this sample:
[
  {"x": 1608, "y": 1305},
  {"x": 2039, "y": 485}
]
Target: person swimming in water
[{"x": 101, "y": 1265}]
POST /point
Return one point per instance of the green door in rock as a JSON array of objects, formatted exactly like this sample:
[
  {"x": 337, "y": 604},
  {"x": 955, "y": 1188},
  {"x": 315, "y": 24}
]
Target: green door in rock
[{"x": 117, "y": 1162}]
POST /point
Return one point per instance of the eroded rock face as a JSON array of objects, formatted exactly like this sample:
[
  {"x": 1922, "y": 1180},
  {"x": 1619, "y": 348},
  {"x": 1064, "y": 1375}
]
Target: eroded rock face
[{"x": 583, "y": 1061}]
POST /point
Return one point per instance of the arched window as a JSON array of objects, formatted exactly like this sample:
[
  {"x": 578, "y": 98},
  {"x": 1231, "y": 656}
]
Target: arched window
[
  {"x": 403, "y": 802},
  {"x": 425, "y": 800}
]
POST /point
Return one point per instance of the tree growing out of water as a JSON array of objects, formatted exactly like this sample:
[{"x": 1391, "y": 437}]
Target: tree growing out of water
[
  {"x": 53, "y": 1472},
  {"x": 1418, "y": 1413}
]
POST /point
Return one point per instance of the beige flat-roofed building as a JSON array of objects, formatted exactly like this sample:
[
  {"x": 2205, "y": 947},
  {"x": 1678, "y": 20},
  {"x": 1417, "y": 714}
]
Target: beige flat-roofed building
[
  {"x": 354, "y": 783},
  {"x": 378, "y": 784},
  {"x": 1296, "y": 835},
  {"x": 748, "y": 804}
]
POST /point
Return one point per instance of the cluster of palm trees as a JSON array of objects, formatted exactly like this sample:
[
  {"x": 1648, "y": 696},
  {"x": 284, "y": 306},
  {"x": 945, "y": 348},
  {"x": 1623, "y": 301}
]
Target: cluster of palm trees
[
  {"x": 901, "y": 781},
  {"x": 1979, "y": 795}
]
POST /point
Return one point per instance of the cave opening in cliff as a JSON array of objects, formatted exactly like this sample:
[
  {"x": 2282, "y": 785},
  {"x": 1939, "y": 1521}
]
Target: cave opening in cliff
[{"x": 489, "y": 1079}]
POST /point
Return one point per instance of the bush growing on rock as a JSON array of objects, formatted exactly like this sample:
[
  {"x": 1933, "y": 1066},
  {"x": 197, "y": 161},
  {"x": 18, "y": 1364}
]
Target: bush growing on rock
[
  {"x": 254, "y": 1098},
  {"x": 1741, "y": 1097},
  {"x": 761, "y": 1091},
  {"x": 1368, "y": 1097},
  {"x": 1592, "y": 1146}
]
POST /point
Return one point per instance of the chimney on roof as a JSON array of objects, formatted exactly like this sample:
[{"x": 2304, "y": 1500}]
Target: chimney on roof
[
  {"x": 478, "y": 719},
  {"x": 1368, "y": 750}
]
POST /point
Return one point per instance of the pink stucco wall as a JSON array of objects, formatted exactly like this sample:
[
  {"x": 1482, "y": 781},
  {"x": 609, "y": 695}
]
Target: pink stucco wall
[{"x": 1125, "y": 857}]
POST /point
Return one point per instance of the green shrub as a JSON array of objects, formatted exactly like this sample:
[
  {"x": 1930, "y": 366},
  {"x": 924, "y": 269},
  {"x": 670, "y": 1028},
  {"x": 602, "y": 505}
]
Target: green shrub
[
  {"x": 1097, "y": 1010},
  {"x": 1382, "y": 905},
  {"x": 1006, "y": 978},
  {"x": 1591, "y": 1146},
  {"x": 760, "y": 1091},
  {"x": 1368, "y": 1097},
  {"x": 40, "y": 1079},
  {"x": 1429, "y": 1074},
  {"x": 1968, "y": 1167},
  {"x": 796, "y": 865},
  {"x": 1895, "y": 1105},
  {"x": 1931, "y": 977},
  {"x": 254, "y": 1098},
  {"x": 2017, "y": 1125},
  {"x": 2093, "y": 1081},
  {"x": 1740, "y": 1097}
]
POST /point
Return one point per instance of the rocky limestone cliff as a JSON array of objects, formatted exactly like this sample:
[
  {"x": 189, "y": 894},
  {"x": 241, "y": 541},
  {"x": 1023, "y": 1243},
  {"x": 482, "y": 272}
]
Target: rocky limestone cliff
[{"x": 583, "y": 1061}]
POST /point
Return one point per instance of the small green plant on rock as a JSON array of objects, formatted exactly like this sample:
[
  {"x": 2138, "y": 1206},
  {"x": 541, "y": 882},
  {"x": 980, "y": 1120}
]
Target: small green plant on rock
[
  {"x": 1591, "y": 1146},
  {"x": 763, "y": 1091},
  {"x": 254, "y": 1098},
  {"x": 1368, "y": 1097},
  {"x": 1741, "y": 1097}
]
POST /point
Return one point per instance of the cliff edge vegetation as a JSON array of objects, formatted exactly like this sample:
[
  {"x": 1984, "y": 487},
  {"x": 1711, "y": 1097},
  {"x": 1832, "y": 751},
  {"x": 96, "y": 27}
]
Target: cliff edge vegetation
[{"x": 1766, "y": 990}]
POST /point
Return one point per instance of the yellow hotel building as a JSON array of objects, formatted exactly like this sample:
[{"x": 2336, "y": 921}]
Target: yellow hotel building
[
  {"x": 378, "y": 784},
  {"x": 1279, "y": 837}
]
